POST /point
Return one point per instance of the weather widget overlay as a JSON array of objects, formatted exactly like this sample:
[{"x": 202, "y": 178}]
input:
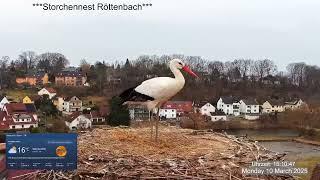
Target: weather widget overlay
[{"x": 41, "y": 151}]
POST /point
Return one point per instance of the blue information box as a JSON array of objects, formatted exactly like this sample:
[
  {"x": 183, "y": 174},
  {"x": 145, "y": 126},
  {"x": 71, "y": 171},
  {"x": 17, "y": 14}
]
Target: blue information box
[{"x": 41, "y": 151}]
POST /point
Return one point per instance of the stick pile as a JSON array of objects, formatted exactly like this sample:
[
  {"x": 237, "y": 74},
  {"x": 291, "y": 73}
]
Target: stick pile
[{"x": 128, "y": 153}]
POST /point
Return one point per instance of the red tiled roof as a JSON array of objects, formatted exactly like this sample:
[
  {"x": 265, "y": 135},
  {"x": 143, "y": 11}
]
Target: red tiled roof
[
  {"x": 4, "y": 125},
  {"x": 180, "y": 106},
  {"x": 16, "y": 107},
  {"x": 96, "y": 114},
  {"x": 51, "y": 90}
]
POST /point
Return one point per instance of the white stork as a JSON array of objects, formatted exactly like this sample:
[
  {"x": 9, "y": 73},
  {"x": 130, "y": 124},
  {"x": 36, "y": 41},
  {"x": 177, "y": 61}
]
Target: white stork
[{"x": 153, "y": 93}]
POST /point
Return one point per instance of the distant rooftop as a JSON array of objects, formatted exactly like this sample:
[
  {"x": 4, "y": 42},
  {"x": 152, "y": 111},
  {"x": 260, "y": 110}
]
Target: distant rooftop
[
  {"x": 229, "y": 99},
  {"x": 250, "y": 101}
]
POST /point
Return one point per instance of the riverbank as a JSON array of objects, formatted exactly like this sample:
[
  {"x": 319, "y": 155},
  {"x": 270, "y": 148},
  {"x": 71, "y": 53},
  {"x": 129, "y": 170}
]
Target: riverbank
[
  {"x": 266, "y": 135},
  {"x": 308, "y": 136},
  {"x": 306, "y": 141}
]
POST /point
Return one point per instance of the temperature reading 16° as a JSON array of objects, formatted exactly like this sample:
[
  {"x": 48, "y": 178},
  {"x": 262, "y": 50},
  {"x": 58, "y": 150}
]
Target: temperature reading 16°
[{"x": 23, "y": 149}]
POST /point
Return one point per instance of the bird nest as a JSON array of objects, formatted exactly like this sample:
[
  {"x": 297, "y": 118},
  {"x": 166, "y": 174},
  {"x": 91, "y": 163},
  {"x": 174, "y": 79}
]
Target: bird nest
[{"x": 129, "y": 153}]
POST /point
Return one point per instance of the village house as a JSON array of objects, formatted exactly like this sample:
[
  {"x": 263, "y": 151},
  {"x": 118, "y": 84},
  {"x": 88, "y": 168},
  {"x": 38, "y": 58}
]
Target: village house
[
  {"x": 229, "y": 105},
  {"x": 47, "y": 91},
  {"x": 138, "y": 112},
  {"x": 218, "y": 116},
  {"x": 97, "y": 117},
  {"x": 20, "y": 108},
  {"x": 167, "y": 112},
  {"x": 3, "y": 100},
  {"x": 182, "y": 107},
  {"x": 78, "y": 121},
  {"x": 270, "y": 80},
  {"x": 272, "y": 105},
  {"x": 249, "y": 106},
  {"x": 205, "y": 108},
  {"x": 27, "y": 100},
  {"x": 18, "y": 116},
  {"x": 68, "y": 104},
  {"x": 33, "y": 79},
  {"x": 295, "y": 104},
  {"x": 70, "y": 78}
]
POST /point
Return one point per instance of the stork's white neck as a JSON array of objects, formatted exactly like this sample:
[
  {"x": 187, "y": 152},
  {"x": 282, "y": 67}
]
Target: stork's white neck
[{"x": 177, "y": 74}]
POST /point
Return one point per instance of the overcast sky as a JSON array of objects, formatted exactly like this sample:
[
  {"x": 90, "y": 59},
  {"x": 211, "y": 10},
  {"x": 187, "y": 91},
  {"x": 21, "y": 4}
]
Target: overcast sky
[{"x": 283, "y": 30}]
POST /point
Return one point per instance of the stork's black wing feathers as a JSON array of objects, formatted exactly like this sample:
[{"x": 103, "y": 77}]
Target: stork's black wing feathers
[{"x": 132, "y": 95}]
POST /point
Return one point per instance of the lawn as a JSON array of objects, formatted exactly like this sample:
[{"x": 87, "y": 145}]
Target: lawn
[
  {"x": 90, "y": 101},
  {"x": 309, "y": 163},
  {"x": 19, "y": 94}
]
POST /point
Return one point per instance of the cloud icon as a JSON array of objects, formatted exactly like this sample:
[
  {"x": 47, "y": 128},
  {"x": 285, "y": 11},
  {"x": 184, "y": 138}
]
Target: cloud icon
[{"x": 12, "y": 150}]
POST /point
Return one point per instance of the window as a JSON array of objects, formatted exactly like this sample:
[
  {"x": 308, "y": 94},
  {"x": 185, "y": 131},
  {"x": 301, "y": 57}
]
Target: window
[
  {"x": 13, "y": 127},
  {"x": 172, "y": 110},
  {"x": 22, "y": 126}
]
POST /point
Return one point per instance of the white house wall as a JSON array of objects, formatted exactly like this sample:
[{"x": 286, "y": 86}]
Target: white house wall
[
  {"x": 228, "y": 108},
  {"x": 168, "y": 113},
  {"x": 76, "y": 122},
  {"x": 207, "y": 109},
  {"x": 25, "y": 126},
  {"x": 3, "y": 102},
  {"x": 244, "y": 108}
]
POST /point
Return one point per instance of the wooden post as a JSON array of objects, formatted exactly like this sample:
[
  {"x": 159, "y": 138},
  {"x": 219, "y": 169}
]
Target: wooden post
[{"x": 316, "y": 173}]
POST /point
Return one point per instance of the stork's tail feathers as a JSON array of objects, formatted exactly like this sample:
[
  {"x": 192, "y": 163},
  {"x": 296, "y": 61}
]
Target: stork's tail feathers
[
  {"x": 131, "y": 95},
  {"x": 125, "y": 95}
]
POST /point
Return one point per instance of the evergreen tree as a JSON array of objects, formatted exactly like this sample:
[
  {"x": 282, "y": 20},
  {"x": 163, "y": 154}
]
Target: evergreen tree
[
  {"x": 119, "y": 114},
  {"x": 46, "y": 106}
]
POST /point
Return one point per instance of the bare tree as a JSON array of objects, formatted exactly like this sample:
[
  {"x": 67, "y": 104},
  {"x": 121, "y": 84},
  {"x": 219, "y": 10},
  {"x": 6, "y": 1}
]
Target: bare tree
[
  {"x": 264, "y": 67},
  {"x": 3, "y": 66},
  {"x": 53, "y": 61},
  {"x": 27, "y": 60},
  {"x": 297, "y": 73},
  {"x": 244, "y": 66},
  {"x": 85, "y": 66}
]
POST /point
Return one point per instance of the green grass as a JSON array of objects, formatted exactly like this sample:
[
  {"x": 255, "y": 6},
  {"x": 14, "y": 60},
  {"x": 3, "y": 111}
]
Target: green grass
[
  {"x": 19, "y": 94},
  {"x": 309, "y": 163},
  {"x": 95, "y": 100}
]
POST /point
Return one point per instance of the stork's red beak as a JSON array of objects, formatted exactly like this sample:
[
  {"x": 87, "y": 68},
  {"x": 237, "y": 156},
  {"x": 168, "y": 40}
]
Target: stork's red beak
[{"x": 188, "y": 70}]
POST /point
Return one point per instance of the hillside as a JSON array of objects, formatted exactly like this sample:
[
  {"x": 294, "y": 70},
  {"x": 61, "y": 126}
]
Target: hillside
[{"x": 126, "y": 153}]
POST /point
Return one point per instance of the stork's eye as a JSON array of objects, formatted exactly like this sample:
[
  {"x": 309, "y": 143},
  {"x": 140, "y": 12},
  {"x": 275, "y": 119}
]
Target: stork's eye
[{"x": 180, "y": 63}]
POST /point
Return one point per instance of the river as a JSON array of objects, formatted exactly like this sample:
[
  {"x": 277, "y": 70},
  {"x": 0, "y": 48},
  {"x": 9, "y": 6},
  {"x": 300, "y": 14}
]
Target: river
[{"x": 294, "y": 150}]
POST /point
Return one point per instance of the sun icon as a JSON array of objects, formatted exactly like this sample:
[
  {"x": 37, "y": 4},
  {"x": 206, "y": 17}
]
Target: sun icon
[{"x": 61, "y": 151}]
